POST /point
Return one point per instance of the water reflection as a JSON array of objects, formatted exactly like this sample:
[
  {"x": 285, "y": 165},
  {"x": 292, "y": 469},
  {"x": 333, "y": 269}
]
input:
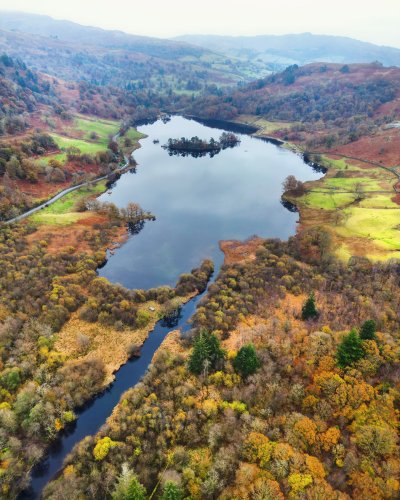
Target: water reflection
[{"x": 199, "y": 201}]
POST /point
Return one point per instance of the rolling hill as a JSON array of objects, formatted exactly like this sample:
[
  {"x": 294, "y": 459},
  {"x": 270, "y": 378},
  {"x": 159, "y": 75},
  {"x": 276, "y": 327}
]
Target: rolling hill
[
  {"x": 277, "y": 52},
  {"x": 74, "y": 52}
]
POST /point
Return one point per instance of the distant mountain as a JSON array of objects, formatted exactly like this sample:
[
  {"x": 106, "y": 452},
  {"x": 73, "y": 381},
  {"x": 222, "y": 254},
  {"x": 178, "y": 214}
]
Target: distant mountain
[
  {"x": 74, "y": 52},
  {"x": 281, "y": 51},
  {"x": 68, "y": 31}
]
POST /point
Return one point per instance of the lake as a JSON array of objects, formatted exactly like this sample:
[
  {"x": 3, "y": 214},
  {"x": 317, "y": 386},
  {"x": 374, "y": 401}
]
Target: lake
[{"x": 198, "y": 202}]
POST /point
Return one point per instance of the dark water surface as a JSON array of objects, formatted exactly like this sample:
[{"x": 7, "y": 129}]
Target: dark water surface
[{"x": 197, "y": 202}]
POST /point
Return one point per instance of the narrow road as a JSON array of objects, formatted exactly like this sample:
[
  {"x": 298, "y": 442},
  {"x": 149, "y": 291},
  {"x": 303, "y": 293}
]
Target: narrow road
[{"x": 64, "y": 192}]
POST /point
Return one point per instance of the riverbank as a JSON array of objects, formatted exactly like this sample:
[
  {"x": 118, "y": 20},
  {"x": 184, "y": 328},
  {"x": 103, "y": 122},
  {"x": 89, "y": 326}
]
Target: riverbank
[
  {"x": 356, "y": 201},
  {"x": 83, "y": 341}
]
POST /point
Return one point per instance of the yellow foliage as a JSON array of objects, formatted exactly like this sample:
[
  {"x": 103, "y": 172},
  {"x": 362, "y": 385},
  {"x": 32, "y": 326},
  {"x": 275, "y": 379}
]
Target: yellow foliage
[
  {"x": 180, "y": 416},
  {"x": 210, "y": 407},
  {"x": 258, "y": 449},
  {"x": 299, "y": 482},
  {"x": 58, "y": 425},
  {"x": 69, "y": 469},
  {"x": 393, "y": 486},
  {"x": 102, "y": 448},
  {"x": 200, "y": 461}
]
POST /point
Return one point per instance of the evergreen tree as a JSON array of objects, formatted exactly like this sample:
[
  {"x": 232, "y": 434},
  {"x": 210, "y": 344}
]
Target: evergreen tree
[
  {"x": 350, "y": 350},
  {"x": 136, "y": 491},
  {"x": 206, "y": 354},
  {"x": 128, "y": 486},
  {"x": 368, "y": 330},
  {"x": 246, "y": 362},
  {"x": 309, "y": 310},
  {"x": 171, "y": 491}
]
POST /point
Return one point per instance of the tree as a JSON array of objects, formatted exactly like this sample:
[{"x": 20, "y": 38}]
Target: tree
[
  {"x": 350, "y": 350},
  {"x": 291, "y": 184},
  {"x": 128, "y": 486},
  {"x": 171, "y": 491},
  {"x": 309, "y": 310},
  {"x": 207, "y": 353},
  {"x": 359, "y": 193},
  {"x": 247, "y": 362},
  {"x": 368, "y": 330}
]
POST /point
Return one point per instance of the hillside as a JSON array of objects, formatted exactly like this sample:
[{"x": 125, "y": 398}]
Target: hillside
[
  {"x": 322, "y": 99},
  {"x": 287, "y": 406},
  {"x": 21, "y": 92},
  {"x": 276, "y": 52},
  {"x": 55, "y": 134},
  {"x": 74, "y": 52}
]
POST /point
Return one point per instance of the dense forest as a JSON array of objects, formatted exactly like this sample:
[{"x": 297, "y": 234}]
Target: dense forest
[{"x": 293, "y": 394}]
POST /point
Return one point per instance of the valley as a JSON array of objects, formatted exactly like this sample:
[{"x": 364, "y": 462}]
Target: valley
[{"x": 199, "y": 265}]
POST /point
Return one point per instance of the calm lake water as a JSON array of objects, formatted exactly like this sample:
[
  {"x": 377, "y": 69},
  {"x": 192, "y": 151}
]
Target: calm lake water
[{"x": 198, "y": 202}]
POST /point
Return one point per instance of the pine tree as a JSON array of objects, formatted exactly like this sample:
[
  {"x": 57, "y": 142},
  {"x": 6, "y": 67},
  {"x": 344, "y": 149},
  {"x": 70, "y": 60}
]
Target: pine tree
[
  {"x": 350, "y": 350},
  {"x": 368, "y": 330},
  {"x": 207, "y": 353},
  {"x": 198, "y": 355},
  {"x": 171, "y": 491},
  {"x": 309, "y": 310},
  {"x": 136, "y": 491},
  {"x": 128, "y": 486},
  {"x": 247, "y": 362}
]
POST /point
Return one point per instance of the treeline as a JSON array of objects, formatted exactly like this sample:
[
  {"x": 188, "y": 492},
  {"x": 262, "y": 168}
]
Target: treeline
[{"x": 293, "y": 406}]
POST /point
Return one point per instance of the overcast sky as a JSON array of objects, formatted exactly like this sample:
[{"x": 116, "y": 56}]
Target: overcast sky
[{"x": 373, "y": 21}]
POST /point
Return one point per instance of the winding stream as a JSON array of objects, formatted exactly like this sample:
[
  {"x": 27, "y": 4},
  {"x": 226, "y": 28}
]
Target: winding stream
[{"x": 197, "y": 202}]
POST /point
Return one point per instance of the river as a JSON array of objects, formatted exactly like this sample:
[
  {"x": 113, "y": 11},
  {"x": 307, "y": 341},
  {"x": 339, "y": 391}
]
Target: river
[{"x": 197, "y": 202}]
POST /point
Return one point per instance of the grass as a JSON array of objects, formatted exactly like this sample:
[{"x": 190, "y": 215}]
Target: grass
[
  {"x": 265, "y": 127},
  {"x": 347, "y": 184},
  {"x": 85, "y": 147},
  {"x": 327, "y": 200},
  {"x": 380, "y": 224},
  {"x": 102, "y": 128},
  {"x": 369, "y": 227},
  {"x": 132, "y": 134},
  {"x": 58, "y": 156},
  {"x": 62, "y": 212},
  {"x": 50, "y": 219}
]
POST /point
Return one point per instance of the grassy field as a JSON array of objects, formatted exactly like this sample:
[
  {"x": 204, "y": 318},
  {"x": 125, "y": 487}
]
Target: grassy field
[
  {"x": 104, "y": 129},
  {"x": 368, "y": 226},
  {"x": 265, "y": 127},
  {"x": 62, "y": 212},
  {"x": 85, "y": 147}
]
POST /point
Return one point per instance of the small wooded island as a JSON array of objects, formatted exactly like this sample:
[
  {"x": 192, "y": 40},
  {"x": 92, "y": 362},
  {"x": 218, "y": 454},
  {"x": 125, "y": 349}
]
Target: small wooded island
[{"x": 200, "y": 147}]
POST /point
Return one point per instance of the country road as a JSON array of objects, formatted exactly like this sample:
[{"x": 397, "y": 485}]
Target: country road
[{"x": 61, "y": 194}]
